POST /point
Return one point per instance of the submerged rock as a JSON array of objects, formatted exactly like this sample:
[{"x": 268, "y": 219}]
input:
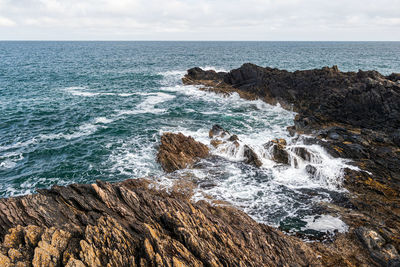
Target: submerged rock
[{"x": 178, "y": 151}]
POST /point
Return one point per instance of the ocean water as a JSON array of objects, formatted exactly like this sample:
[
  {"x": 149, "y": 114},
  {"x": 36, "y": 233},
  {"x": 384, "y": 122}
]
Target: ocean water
[{"x": 75, "y": 112}]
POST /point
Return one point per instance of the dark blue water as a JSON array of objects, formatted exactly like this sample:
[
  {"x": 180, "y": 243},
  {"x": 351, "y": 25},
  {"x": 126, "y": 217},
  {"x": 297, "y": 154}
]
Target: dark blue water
[{"x": 80, "y": 111}]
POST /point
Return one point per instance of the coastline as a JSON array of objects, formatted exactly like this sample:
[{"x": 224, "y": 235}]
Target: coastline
[{"x": 149, "y": 230}]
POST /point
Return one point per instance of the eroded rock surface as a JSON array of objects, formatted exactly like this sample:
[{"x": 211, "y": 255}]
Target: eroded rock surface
[
  {"x": 178, "y": 151},
  {"x": 130, "y": 224}
]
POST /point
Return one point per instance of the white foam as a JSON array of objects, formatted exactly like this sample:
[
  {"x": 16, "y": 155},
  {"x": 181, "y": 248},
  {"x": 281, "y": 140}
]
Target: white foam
[
  {"x": 134, "y": 158},
  {"x": 102, "y": 120},
  {"x": 83, "y": 91},
  {"x": 179, "y": 73},
  {"x": 9, "y": 160},
  {"x": 148, "y": 105},
  {"x": 216, "y": 69},
  {"x": 19, "y": 144},
  {"x": 7, "y": 164},
  {"x": 29, "y": 185},
  {"x": 325, "y": 223},
  {"x": 83, "y": 130}
]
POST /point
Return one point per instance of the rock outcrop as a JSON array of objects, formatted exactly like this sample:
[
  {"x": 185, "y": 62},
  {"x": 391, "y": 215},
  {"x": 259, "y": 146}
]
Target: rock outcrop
[
  {"x": 130, "y": 224},
  {"x": 221, "y": 136},
  {"x": 352, "y": 115},
  {"x": 277, "y": 150},
  {"x": 364, "y": 99},
  {"x": 178, "y": 151}
]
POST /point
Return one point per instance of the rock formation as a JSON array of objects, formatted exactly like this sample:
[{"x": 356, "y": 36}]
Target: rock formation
[
  {"x": 221, "y": 136},
  {"x": 277, "y": 150},
  {"x": 178, "y": 151},
  {"x": 352, "y": 115},
  {"x": 130, "y": 224},
  {"x": 364, "y": 99}
]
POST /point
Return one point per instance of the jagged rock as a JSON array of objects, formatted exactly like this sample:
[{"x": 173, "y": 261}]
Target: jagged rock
[
  {"x": 382, "y": 253},
  {"x": 354, "y": 115},
  {"x": 178, "y": 151},
  {"x": 365, "y": 99},
  {"x": 251, "y": 157},
  {"x": 219, "y": 136},
  {"x": 218, "y": 131},
  {"x": 277, "y": 150},
  {"x": 130, "y": 224}
]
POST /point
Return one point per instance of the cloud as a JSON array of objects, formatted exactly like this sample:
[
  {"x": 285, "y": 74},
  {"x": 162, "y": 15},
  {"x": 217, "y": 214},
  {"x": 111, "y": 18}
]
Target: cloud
[
  {"x": 5, "y": 22},
  {"x": 202, "y": 20}
]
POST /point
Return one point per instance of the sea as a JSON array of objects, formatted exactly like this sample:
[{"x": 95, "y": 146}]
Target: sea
[{"x": 77, "y": 112}]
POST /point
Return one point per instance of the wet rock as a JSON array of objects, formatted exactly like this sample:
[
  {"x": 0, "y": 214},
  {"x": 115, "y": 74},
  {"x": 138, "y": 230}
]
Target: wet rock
[
  {"x": 334, "y": 136},
  {"x": 130, "y": 224},
  {"x": 311, "y": 170},
  {"x": 384, "y": 254},
  {"x": 195, "y": 74},
  {"x": 218, "y": 131},
  {"x": 178, "y": 151},
  {"x": 251, "y": 157},
  {"x": 278, "y": 151},
  {"x": 233, "y": 138},
  {"x": 291, "y": 130},
  {"x": 303, "y": 153},
  {"x": 216, "y": 143}
]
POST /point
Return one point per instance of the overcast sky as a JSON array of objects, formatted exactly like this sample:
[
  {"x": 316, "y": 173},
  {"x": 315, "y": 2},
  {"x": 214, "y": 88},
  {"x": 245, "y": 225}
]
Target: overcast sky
[{"x": 200, "y": 20}]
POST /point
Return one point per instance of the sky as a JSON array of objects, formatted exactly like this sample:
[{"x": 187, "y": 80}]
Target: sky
[{"x": 264, "y": 20}]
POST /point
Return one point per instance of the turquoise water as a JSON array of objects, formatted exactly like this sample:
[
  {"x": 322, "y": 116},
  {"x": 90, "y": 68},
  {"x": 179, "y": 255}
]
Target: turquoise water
[{"x": 75, "y": 112}]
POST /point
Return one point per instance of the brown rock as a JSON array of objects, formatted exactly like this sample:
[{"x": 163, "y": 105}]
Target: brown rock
[
  {"x": 251, "y": 157},
  {"x": 4, "y": 260},
  {"x": 130, "y": 224},
  {"x": 216, "y": 143},
  {"x": 303, "y": 153},
  {"x": 218, "y": 131},
  {"x": 178, "y": 151},
  {"x": 278, "y": 151}
]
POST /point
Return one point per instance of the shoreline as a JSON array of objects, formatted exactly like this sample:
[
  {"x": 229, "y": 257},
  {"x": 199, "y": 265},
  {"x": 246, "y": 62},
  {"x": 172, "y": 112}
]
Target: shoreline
[{"x": 72, "y": 225}]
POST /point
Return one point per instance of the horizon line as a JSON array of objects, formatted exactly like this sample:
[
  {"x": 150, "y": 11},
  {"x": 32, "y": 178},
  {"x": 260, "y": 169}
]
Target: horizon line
[{"x": 83, "y": 40}]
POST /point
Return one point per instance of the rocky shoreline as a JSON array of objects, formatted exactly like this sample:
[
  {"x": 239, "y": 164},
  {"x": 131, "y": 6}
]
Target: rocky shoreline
[
  {"x": 352, "y": 115},
  {"x": 133, "y": 223}
]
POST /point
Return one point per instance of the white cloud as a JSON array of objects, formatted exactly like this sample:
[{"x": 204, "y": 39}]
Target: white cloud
[
  {"x": 201, "y": 20},
  {"x": 5, "y": 22}
]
